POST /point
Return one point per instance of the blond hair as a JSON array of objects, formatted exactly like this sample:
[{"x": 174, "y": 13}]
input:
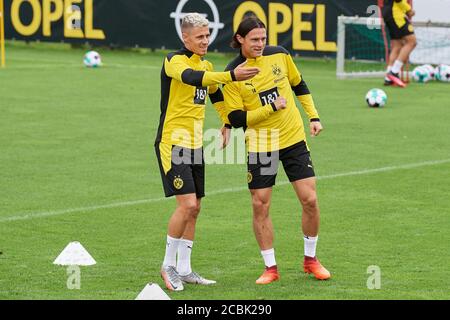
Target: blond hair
[{"x": 193, "y": 19}]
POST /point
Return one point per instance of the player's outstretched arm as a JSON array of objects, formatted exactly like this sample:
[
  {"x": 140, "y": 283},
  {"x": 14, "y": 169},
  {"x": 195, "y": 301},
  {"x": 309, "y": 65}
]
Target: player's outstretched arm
[
  {"x": 178, "y": 69},
  {"x": 242, "y": 73}
]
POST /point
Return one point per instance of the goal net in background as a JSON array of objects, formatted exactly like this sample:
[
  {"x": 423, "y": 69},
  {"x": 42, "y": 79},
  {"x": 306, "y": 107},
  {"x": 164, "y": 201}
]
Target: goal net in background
[
  {"x": 433, "y": 43},
  {"x": 363, "y": 46}
]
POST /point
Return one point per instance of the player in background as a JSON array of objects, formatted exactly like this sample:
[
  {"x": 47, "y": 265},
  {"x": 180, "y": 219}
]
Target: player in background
[
  {"x": 265, "y": 107},
  {"x": 186, "y": 81},
  {"x": 397, "y": 15}
]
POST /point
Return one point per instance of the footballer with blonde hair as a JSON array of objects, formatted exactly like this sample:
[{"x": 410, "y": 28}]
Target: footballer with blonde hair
[{"x": 187, "y": 79}]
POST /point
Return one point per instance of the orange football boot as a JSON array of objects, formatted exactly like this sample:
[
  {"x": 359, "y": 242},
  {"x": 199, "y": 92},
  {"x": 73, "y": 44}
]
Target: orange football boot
[
  {"x": 395, "y": 78},
  {"x": 312, "y": 265},
  {"x": 269, "y": 275}
]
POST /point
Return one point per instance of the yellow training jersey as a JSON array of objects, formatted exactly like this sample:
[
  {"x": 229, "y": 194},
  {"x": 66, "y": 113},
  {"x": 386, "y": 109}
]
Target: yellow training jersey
[
  {"x": 397, "y": 10},
  {"x": 186, "y": 82},
  {"x": 267, "y": 129}
]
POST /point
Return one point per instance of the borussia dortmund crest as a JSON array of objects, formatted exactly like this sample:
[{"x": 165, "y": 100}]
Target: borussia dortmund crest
[
  {"x": 249, "y": 177},
  {"x": 276, "y": 70},
  {"x": 178, "y": 183}
]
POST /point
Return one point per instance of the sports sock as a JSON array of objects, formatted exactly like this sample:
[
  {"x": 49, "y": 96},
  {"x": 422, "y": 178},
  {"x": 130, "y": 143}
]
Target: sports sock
[
  {"x": 184, "y": 257},
  {"x": 310, "y": 246},
  {"x": 269, "y": 257},
  {"x": 170, "y": 259},
  {"x": 397, "y": 67}
]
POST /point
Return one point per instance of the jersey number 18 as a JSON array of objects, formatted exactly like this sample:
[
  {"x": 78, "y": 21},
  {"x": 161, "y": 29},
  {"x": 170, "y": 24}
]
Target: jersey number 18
[{"x": 200, "y": 95}]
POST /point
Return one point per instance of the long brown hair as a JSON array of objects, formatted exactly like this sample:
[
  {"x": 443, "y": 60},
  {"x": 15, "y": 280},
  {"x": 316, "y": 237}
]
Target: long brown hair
[{"x": 249, "y": 23}]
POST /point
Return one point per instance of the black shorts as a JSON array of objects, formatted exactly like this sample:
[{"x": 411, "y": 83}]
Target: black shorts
[
  {"x": 263, "y": 167},
  {"x": 182, "y": 170},
  {"x": 396, "y": 32}
]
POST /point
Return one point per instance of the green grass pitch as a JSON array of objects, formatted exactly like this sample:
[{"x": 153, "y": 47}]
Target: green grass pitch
[{"x": 77, "y": 164}]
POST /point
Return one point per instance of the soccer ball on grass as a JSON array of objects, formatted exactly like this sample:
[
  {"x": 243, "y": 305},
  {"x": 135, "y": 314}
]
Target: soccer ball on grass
[
  {"x": 422, "y": 74},
  {"x": 92, "y": 59},
  {"x": 376, "y": 98},
  {"x": 442, "y": 73},
  {"x": 431, "y": 69}
]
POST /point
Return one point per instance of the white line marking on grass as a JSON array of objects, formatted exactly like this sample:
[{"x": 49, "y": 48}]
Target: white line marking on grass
[
  {"x": 45, "y": 66},
  {"x": 33, "y": 215}
]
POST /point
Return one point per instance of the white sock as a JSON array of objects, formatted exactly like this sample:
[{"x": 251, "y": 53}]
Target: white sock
[
  {"x": 397, "y": 67},
  {"x": 310, "y": 246},
  {"x": 269, "y": 257},
  {"x": 184, "y": 257},
  {"x": 170, "y": 259}
]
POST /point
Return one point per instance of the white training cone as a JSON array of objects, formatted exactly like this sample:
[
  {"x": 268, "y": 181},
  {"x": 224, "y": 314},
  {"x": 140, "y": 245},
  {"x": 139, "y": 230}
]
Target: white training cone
[
  {"x": 152, "y": 292},
  {"x": 74, "y": 254}
]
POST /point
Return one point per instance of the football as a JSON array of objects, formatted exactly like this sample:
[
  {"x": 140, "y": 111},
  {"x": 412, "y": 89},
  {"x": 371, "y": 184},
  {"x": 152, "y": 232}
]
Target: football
[
  {"x": 431, "y": 69},
  {"x": 422, "y": 74},
  {"x": 376, "y": 98},
  {"x": 437, "y": 76},
  {"x": 443, "y": 73},
  {"x": 92, "y": 59}
]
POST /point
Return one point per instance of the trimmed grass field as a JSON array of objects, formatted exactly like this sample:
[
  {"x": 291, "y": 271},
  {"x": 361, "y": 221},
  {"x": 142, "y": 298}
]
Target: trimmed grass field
[{"x": 77, "y": 164}]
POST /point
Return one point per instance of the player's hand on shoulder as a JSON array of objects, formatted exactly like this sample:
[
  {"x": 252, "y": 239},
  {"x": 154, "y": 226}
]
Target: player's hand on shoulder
[
  {"x": 244, "y": 73},
  {"x": 280, "y": 103},
  {"x": 411, "y": 13}
]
